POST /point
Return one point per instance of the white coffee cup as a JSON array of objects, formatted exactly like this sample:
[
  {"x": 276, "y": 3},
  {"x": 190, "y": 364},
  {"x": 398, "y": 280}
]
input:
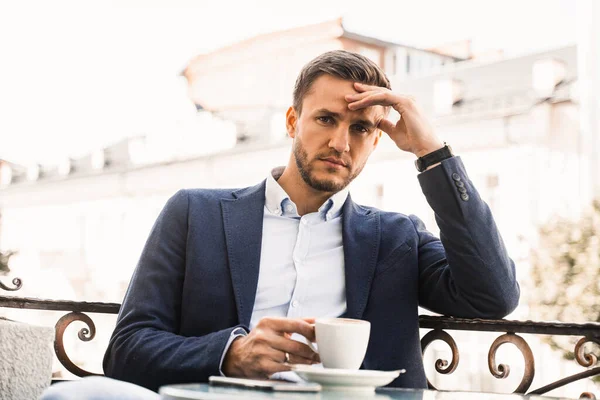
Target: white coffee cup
[{"x": 342, "y": 342}]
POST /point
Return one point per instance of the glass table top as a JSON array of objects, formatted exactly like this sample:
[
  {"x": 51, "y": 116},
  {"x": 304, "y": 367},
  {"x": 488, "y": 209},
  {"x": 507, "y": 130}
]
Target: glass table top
[{"x": 207, "y": 392}]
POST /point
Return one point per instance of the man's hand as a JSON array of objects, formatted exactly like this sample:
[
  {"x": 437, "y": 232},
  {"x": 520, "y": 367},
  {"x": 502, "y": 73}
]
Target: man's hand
[
  {"x": 263, "y": 351},
  {"x": 412, "y": 132}
]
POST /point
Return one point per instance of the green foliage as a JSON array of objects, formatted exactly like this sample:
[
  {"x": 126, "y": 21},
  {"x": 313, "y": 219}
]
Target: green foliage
[
  {"x": 566, "y": 269},
  {"x": 566, "y": 274},
  {"x": 4, "y": 257}
]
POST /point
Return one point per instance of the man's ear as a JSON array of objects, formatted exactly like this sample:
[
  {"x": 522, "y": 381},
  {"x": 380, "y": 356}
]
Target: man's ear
[
  {"x": 377, "y": 137},
  {"x": 291, "y": 119}
]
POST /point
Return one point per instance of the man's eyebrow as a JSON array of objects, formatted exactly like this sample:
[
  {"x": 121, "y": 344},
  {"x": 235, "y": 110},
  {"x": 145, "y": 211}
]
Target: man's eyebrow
[
  {"x": 367, "y": 124},
  {"x": 329, "y": 113}
]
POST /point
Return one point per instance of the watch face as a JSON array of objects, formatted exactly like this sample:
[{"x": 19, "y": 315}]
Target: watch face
[{"x": 419, "y": 164}]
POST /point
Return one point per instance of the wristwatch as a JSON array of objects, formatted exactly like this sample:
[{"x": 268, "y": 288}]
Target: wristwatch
[{"x": 429, "y": 159}]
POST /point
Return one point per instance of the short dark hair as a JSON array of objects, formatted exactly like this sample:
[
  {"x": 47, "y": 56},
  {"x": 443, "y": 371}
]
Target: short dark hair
[{"x": 340, "y": 64}]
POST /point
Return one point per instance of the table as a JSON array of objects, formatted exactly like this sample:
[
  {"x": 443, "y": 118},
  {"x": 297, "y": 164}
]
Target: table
[{"x": 203, "y": 391}]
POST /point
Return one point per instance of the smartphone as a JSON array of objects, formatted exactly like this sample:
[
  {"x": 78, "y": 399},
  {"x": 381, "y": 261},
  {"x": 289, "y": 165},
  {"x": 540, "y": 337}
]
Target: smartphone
[{"x": 270, "y": 385}]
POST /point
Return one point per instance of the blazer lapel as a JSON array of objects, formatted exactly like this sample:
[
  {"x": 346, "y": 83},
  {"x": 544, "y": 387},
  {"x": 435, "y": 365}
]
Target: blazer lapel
[
  {"x": 361, "y": 232},
  {"x": 243, "y": 223}
]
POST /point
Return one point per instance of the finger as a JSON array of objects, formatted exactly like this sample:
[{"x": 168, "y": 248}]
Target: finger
[
  {"x": 268, "y": 367},
  {"x": 296, "y": 359},
  {"x": 404, "y": 104},
  {"x": 374, "y": 99},
  {"x": 294, "y": 347},
  {"x": 288, "y": 325},
  {"x": 363, "y": 87},
  {"x": 401, "y": 102},
  {"x": 274, "y": 354},
  {"x": 280, "y": 357},
  {"x": 387, "y": 126},
  {"x": 359, "y": 96}
]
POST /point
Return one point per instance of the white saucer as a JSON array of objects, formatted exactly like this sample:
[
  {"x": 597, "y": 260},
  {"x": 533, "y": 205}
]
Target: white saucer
[{"x": 346, "y": 379}]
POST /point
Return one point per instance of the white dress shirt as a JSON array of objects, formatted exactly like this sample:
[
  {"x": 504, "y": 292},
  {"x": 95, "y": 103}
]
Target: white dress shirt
[{"x": 302, "y": 259}]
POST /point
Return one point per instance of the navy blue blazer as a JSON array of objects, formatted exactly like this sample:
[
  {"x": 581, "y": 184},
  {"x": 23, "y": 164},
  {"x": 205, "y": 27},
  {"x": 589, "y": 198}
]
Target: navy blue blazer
[{"x": 197, "y": 276}]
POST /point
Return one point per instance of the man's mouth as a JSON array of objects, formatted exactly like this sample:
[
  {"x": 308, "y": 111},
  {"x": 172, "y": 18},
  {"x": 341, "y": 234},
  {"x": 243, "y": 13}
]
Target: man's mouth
[{"x": 334, "y": 162}]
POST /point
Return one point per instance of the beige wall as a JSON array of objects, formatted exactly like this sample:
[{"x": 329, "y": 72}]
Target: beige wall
[
  {"x": 357, "y": 47},
  {"x": 243, "y": 68},
  {"x": 240, "y": 84}
]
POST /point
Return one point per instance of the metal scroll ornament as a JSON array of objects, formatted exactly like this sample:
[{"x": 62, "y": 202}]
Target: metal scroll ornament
[
  {"x": 502, "y": 371},
  {"x": 85, "y": 334},
  {"x": 17, "y": 285},
  {"x": 441, "y": 366},
  {"x": 586, "y": 359}
]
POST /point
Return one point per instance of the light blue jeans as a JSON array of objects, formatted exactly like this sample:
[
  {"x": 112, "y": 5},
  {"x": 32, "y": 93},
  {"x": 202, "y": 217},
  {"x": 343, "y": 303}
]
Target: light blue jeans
[{"x": 97, "y": 388}]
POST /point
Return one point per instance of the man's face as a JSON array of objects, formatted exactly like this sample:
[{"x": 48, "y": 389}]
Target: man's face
[{"x": 331, "y": 142}]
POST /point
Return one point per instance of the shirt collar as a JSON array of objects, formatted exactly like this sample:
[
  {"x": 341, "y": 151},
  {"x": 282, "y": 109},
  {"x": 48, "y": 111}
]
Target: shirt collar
[{"x": 278, "y": 202}]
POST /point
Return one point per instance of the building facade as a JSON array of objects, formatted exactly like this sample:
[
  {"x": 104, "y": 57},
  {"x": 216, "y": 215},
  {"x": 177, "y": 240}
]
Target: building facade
[
  {"x": 251, "y": 82},
  {"x": 514, "y": 122}
]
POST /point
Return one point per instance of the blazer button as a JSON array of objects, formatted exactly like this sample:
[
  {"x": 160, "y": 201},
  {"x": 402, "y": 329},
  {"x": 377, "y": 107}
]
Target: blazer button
[
  {"x": 462, "y": 190},
  {"x": 459, "y": 184},
  {"x": 464, "y": 196},
  {"x": 456, "y": 176}
]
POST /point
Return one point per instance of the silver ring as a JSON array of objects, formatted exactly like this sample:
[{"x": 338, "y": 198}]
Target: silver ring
[{"x": 287, "y": 357}]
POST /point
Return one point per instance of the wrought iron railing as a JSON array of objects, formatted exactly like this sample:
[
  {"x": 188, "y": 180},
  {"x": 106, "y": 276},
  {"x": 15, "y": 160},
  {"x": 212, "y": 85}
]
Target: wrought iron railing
[
  {"x": 588, "y": 333},
  {"x": 17, "y": 284}
]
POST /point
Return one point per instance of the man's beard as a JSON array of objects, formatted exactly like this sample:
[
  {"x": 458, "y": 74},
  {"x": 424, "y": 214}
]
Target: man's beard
[{"x": 323, "y": 185}]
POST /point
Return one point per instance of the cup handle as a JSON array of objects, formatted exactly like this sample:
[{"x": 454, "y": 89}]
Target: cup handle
[{"x": 310, "y": 344}]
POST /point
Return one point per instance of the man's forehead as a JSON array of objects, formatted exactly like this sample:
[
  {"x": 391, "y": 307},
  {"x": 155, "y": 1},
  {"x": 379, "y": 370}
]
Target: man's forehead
[
  {"x": 328, "y": 93},
  {"x": 328, "y": 89},
  {"x": 369, "y": 113},
  {"x": 323, "y": 105}
]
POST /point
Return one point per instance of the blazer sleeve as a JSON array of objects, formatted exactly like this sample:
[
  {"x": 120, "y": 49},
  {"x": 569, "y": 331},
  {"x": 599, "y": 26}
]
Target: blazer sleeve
[
  {"x": 467, "y": 273},
  {"x": 145, "y": 347}
]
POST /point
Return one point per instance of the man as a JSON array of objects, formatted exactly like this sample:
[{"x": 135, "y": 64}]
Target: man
[{"x": 228, "y": 276}]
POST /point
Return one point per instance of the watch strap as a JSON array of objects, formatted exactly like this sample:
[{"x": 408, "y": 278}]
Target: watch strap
[{"x": 429, "y": 159}]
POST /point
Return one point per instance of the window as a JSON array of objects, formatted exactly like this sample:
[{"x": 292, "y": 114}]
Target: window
[{"x": 371, "y": 54}]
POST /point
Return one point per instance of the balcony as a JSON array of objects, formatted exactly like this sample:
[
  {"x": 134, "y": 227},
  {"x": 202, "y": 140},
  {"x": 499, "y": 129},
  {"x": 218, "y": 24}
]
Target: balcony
[{"x": 509, "y": 332}]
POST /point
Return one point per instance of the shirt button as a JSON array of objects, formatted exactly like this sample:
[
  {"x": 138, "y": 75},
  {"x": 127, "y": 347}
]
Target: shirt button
[
  {"x": 295, "y": 303},
  {"x": 289, "y": 208},
  {"x": 305, "y": 222}
]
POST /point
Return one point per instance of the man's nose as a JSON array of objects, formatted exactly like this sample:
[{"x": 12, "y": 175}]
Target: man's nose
[{"x": 340, "y": 140}]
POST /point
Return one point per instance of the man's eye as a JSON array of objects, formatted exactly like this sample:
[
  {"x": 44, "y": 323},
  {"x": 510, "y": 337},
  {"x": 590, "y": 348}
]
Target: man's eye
[
  {"x": 325, "y": 119},
  {"x": 360, "y": 128}
]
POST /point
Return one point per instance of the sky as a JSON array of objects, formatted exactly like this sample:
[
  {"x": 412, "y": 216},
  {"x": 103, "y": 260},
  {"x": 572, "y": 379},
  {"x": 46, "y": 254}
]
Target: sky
[{"x": 76, "y": 75}]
